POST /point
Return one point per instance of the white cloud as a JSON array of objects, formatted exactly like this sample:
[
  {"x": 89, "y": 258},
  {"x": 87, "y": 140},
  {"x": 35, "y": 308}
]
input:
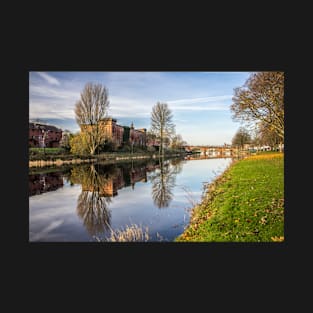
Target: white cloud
[
  {"x": 142, "y": 107},
  {"x": 50, "y": 109},
  {"x": 213, "y": 103},
  {"x": 130, "y": 107},
  {"x": 51, "y": 92},
  {"x": 200, "y": 100},
  {"x": 50, "y": 79},
  {"x": 220, "y": 107},
  {"x": 47, "y": 101}
]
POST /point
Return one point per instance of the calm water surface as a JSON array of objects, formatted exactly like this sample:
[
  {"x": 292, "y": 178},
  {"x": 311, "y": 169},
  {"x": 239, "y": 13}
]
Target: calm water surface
[{"x": 88, "y": 201}]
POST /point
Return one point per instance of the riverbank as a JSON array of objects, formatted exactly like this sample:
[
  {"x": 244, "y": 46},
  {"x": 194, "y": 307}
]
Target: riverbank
[
  {"x": 108, "y": 158},
  {"x": 244, "y": 204}
]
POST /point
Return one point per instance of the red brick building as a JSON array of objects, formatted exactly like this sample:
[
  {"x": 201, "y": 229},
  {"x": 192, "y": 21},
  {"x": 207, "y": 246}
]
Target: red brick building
[
  {"x": 115, "y": 133},
  {"x": 42, "y": 135},
  {"x": 112, "y": 131},
  {"x": 138, "y": 137}
]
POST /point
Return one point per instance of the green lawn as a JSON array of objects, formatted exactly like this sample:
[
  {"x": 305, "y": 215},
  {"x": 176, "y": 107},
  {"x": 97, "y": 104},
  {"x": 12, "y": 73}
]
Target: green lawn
[
  {"x": 245, "y": 204},
  {"x": 34, "y": 151}
]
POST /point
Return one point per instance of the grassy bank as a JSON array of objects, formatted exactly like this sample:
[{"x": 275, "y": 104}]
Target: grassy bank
[{"x": 244, "y": 204}]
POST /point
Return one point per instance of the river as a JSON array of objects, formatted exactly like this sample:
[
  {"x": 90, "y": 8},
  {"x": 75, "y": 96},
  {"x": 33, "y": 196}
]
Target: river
[{"x": 85, "y": 203}]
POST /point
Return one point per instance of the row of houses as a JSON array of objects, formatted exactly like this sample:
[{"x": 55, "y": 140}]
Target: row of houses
[{"x": 43, "y": 135}]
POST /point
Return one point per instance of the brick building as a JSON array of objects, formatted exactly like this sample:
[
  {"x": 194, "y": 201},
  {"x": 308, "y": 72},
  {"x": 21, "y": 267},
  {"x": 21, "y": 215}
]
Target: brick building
[
  {"x": 138, "y": 137},
  {"x": 43, "y": 135},
  {"x": 113, "y": 131},
  {"x": 119, "y": 135}
]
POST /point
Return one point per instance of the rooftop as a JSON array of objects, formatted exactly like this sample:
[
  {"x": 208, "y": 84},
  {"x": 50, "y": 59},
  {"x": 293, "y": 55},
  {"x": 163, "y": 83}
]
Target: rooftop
[{"x": 43, "y": 126}]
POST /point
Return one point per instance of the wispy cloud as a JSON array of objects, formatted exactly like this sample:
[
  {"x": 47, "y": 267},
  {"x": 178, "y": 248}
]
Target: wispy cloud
[
  {"x": 51, "y": 92},
  {"x": 213, "y": 103},
  {"x": 46, "y": 101},
  {"x": 219, "y": 107},
  {"x": 51, "y": 109},
  {"x": 43, "y": 109},
  {"x": 49, "y": 78},
  {"x": 130, "y": 107},
  {"x": 200, "y": 100}
]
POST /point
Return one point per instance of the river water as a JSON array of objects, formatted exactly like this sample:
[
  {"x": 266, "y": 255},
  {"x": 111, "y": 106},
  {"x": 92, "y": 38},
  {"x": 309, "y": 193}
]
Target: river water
[{"x": 85, "y": 203}]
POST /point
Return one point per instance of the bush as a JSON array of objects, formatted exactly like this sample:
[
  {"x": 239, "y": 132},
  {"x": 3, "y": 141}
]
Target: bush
[
  {"x": 125, "y": 148},
  {"x": 151, "y": 149},
  {"x": 128, "y": 234}
]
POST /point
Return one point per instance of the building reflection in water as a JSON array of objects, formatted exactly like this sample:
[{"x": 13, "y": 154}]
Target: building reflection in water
[
  {"x": 99, "y": 184},
  {"x": 41, "y": 183}
]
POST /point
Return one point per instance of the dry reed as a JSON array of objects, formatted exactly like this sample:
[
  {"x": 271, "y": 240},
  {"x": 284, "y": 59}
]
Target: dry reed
[{"x": 130, "y": 233}]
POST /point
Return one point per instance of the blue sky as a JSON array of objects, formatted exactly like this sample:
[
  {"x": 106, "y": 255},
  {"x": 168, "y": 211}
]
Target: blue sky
[{"x": 200, "y": 101}]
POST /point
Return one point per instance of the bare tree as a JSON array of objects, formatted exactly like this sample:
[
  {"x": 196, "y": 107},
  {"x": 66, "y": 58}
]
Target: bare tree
[
  {"x": 267, "y": 136},
  {"x": 161, "y": 124},
  {"x": 241, "y": 138},
  {"x": 90, "y": 110},
  {"x": 261, "y": 99},
  {"x": 177, "y": 142},
  {"x": 65, "y": 140}
]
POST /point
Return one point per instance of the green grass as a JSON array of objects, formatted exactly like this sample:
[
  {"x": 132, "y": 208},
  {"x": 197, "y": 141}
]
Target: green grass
[
  {"x": 53, "y": 151},
  {"x": 245, "y": 204}
]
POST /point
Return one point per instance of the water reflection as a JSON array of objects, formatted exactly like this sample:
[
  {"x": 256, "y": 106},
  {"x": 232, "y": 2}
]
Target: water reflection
[
  {"x": 100, "y": 183},
  {"x": 177, "y": 165},
  {"x": 163, "y": 182},
  {"x": 41, "y": 183},
  {"x": 92, "y": 203},
  {"x": 88, "y": 199}
]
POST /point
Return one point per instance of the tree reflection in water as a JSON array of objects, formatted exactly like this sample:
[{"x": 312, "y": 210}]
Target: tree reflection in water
[
  {"x": 177, "y": 165},
  {"x": 92, "y": 203},
  {"x": 100, "y": 183},
  {"x": 163, "y": 182}
]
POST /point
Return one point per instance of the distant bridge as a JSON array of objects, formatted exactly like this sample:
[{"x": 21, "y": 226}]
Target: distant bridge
[{"x": 212, "y": 151}]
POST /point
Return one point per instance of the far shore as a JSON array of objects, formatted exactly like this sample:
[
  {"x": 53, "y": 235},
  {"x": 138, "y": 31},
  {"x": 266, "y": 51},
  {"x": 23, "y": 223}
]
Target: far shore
[{"x": 107, "y": 158}]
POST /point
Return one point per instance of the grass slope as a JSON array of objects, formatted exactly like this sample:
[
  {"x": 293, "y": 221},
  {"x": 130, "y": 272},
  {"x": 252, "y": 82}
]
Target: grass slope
[{"x": 245, "y": 204}]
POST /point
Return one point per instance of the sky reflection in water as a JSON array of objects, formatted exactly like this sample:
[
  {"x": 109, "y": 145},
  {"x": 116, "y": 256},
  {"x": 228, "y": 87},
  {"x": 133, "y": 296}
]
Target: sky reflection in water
[{"x": 89, "y": 200}]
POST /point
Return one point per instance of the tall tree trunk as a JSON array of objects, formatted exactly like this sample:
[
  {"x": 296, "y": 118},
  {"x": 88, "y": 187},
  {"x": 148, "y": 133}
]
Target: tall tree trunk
[
  {"x": 160, "y": 149},
  {"x": 162, "y": 138}
]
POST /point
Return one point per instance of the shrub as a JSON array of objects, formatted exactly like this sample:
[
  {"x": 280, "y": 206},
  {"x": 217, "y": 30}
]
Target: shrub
[{"x": 128, "y": 234}]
